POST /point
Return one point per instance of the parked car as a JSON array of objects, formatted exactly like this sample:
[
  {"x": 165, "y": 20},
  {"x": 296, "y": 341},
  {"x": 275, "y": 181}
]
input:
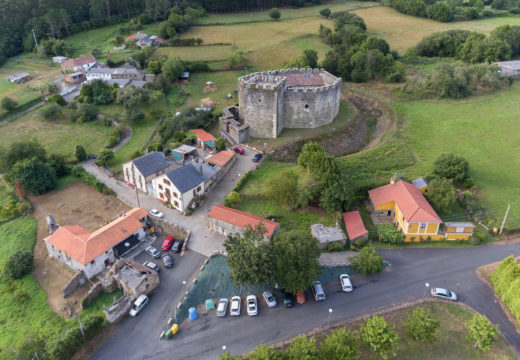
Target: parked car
[
  {"x": 444, "y": 294},
  {"x": 269, "y": 299},
  {"x": 300, "y": 298},
  {"x": 234, "y": 310},
  {"x": 152, "y": 266},
  {"x": 177, "y": 246},
  {"x": 156, "y": 214},
  {"x": 257, "y": 157},
  {"x": 167, "y": 244},
  {"x": 222, "y": 307},
  {"x": 139, "y": 305},
  {"x": 153, "y": 251},
  {"x": 317, "y": 291},
  {"x": 252, "y": 305},
  {"x": 239, "y": 150},
  {"x": 346, "y": 284},
  {"x": 287, "y": 299},
  {"x": 167, "y": 261}
]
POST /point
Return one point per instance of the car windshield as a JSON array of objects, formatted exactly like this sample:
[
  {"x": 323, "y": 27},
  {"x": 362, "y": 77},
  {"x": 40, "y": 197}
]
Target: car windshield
[{"x": 448, "y": 293}]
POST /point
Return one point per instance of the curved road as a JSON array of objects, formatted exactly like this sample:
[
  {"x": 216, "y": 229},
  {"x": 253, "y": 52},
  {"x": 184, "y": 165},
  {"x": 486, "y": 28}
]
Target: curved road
[{"x": 404, "y": 281}]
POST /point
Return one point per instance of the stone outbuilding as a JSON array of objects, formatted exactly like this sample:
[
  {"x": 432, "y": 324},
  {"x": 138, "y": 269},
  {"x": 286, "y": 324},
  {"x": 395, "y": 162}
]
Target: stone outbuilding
[
  {"x": 134, "y": 279},
  {"x": 327, "y": 235}
]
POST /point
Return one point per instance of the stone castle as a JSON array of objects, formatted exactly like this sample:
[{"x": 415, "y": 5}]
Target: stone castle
[{"x": 274, "y": 100}]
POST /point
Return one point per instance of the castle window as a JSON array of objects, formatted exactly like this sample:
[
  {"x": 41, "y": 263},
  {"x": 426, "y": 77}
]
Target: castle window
[{"x": 307, "y": 107}]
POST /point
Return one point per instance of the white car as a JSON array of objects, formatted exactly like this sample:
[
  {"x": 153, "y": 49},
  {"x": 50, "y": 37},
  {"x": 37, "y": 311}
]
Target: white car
[
  {"x": 252, "y": 306},
  {"x": 222, "y": 307},
  {"x": 152, "y": 266},
  {"x": 269, "y": 299},
  {"x": 444, "y": 294},
  {"x": 346, "y": 284},
  {"x": 153, "y": 252},
  {"x": 235, "y": 306},
  {"x": 156, "y": 214},
  {"x": 139, "y": 305}
]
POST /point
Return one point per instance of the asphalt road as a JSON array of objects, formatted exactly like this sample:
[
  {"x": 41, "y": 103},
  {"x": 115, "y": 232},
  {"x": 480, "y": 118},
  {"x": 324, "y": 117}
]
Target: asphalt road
[{"x": 403, "y": 281}]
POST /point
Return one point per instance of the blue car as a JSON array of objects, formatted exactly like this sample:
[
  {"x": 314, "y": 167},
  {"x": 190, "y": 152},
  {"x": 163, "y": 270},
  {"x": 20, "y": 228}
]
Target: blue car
[{"x": 257, "y": 157}]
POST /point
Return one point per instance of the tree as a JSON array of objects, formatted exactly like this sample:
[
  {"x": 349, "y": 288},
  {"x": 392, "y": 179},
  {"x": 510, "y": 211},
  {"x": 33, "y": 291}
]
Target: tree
[
  {"x": 295, "y": 256},
  {"x": 389, "y": 234},
  {"x": 264, "y": 352},
  {"x": 421, "y": 325},
  {"x": 172, "y": 69},
  {"x": 64, "y": 19},
  {"x": 104, "y": 157},
  {"x": 9, "y": 104},
  {"x": 232, "y": 199},
  {"x": 302, "y": 348},
  {"x": 311, "y": 57},
  {"x": 336, "y": 197},
  {"x": 250, "y": 256},
  {"x": 482, "y": 331},
  {"x": 18, "y": 264},
  {"x": 307, "y": 151},
  {"x": 22, "y": 150},
  {"x": 131, "y": 97},
  {"x": 283, "y": 188},
  {"x": 325, "y": 12},
  {"x": 86, "y": 113},
  {"x": 442, "y": 194},
  {"x": 440, "y": 11},
  {"x": 379, "y": 336},
  {"x": 35, "y": 176},
  {"x": 237, "y": 61},
  {"x": 50, "y": 110},
  {"x": 340, "y": 345},
  {"x": 275, "y": 14},
  {"x": 227, "y": 356},
  {"x": 96, "y": 53},
  {"x": 221, "y": 144},
  {"x": 367, "y": 261},
  {"x": 58, "y": 99},
  {"x": 80, "y": 153},
  {"x": 451, "y": 166}
]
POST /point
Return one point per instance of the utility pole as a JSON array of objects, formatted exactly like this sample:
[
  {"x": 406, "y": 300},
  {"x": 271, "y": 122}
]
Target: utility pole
[
  {"x": 80, "y": 326},
  {"x": 504, "y": 221},
  {"x": 137, "y": 196},
  {"x": 35, "y": 41}
]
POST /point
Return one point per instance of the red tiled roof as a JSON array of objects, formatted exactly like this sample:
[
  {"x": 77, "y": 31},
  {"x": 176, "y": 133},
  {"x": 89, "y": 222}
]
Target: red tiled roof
[
  {"x": 202, "y": 135},
  {"x": 84, "y": 247},
  {"x": 71, "y": 63},
  {"x": 299, "y": 79},
  {"x": 354, "y": 224},
  {"x": 241, "y": 219},
  {"x": 221, "y": 158},
  {"x": 131, "y": 37},
  {"x": 408, "y": 198}
]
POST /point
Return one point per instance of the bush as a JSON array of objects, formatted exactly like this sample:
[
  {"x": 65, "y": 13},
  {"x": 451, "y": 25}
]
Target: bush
[
  {"x": 221, "y": 144},
  {"x": 275, "y": 14},
  {"x": 50, "y": 110},
  {"x": 9, "y": 104},
  {"x": 422, "y": 325},
  {"x": 104, "y": 157},
  {"x": 232, "y": 199},
  {"x": 325, "y": 12},
  {"x": 451, "y": 166},
  {"x": 86, "y": 113},
  {"x": 440, "y": 11},
  {"x": 80, "y": 153},
  {"x": 242, "y": 181},
  {"x": 18, "y": 264},
  {"x": 63, "y": 346},
  {"x": 410, "y": 7},
  {"x": 389, "y": 234},
  {"x": 335, "y": 246},
  {"x": 58, "y": 99},
  {"x": 367, "y": 261}
]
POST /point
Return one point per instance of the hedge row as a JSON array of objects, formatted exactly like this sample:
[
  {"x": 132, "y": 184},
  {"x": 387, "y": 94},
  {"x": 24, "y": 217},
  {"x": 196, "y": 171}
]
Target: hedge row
[{"x": 506, "y": 281}]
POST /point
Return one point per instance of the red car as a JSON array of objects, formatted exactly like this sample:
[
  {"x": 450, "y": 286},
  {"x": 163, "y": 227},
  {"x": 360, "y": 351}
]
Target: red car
[
  {"x": 300, "y": 298},
  {"x": 239, "y": 150},
  {"x": 167, "y": 244}
]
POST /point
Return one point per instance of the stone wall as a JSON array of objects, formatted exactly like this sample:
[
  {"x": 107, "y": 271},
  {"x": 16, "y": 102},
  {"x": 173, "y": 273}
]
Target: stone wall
[{"x": 74, "y": 283}]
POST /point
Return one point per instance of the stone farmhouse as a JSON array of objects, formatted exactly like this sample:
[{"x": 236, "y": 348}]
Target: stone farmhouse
[
  {"x": 82, "y": 63},
  {"x": 140, "y": 172},
  {"x": 509, "y": 68},
  {"x": 143, "y": 40},
  {"x": 227, "y": 221},
  {"x": 274, "y": 100},
  {"x": 405, "y": 206},
  {"x": 94, "y": 252},
  {"x": 123, "y": 76}
]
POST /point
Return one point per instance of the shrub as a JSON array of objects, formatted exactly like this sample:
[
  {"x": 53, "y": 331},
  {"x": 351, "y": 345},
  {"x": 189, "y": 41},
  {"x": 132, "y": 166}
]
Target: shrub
[
  {"x": 232, "y": 199},
  {"x": 104, "y": 157},
  {"x": 482, "y": 331},
  {"x": 9, "y": 104},
  {"x": 367, "y": 261},
  {"x": 335, "y": 246},
  {"x": 325, "y": 12},
  {"x": 58, "y": 99},
  {"x": 442, "y": 194},
  {"x": 221, "y": 144},
  {"x": 18, "y": 264},
  {"x": 440, "y": 11},
  {"x": 422, "y": 325},
  {"x": 275, "y": 14},
  {"x": 242, "y": 181},
  {"x": 410, "y": 7},
  {"x": 389, "y": 234},
  {"x": 451, "y": 166},
  {"x": 50, "y": 110},
  {"x": 378, "y": 335},
  {"x": 63, "y": 346}
]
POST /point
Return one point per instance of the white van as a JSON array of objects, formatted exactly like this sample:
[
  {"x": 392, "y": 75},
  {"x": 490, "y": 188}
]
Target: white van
[{"x": 317, "y": 291}]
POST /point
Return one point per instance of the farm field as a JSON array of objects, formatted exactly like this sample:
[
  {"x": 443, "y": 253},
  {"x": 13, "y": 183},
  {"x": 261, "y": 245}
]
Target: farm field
[
  {"x": 192, "y": 53},
  {"x": 58, "y": 137},
  {"x": 483, "y": 130},
  {"x": 404, "y": 31}
]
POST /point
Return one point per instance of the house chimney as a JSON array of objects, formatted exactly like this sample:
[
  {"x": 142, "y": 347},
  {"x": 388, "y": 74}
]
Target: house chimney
[
  {"x": 200, "y": 169},
  {"x": 392, "y": 180}
]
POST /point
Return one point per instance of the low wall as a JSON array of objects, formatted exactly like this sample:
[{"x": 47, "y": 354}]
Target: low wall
[
  {"x": 74, "y": 283},
  {"x": 93, "y": 293}
]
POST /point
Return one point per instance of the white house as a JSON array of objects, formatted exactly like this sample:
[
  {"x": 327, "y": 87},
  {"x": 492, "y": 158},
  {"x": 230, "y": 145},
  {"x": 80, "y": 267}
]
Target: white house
[
  {"x": 77, "y": 64},
  {"x": 94, "y": 252},
  {"x": 140, "y": 172},
  {"x": 100, "y": 73},
  {"x": 181, "y": 186}
]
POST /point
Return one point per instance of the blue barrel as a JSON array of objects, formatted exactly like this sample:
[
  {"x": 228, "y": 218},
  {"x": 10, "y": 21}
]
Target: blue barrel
[{"x": 193, "y": 313}]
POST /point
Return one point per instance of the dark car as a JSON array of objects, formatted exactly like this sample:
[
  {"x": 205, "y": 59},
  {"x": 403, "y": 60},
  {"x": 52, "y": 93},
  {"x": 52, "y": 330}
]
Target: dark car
[
  {"x": 257, "y": 157},
  {"x": 177, "y": 246},
  {"x": 239, "y": 150},
  {"x": 167, "y": 244},
  {"x": 287, "y": 299},
  {"x": 167, "y": 260}
]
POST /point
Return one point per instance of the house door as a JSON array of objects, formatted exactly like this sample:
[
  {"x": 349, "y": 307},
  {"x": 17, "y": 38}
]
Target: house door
[
  {"x": 389, "y": 213},
  {"x": 107, "y": 263},
  {"x": 227, "y": 128}
]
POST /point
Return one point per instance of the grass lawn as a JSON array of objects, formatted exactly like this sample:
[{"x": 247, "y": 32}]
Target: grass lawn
[
  {"x": 486, "y": 141},
  {"x": 58, "y": 137},
  {"x": 287, "y": 13},
  {"x": 252, "y": 200},
  {"x": 404, "y": 31},
  {"x": 192, "y": 53}
]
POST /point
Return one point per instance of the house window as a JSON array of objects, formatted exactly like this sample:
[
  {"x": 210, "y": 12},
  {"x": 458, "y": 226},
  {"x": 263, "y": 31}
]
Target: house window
[
  {"x": 199, "y": 188},
  {"x": 176, "y": 204},
  {"x": 166, "y": 182},
  {"x": 175, "y": 194},
  {"x": 402, "y": 218},
  {"x": 161, "y": 195},
  {"x": 92, "y": 262},
  {"x": 423, "y": 226},
  {"x": 389, "y": 213},
  {"x": 160, "y": 187}
]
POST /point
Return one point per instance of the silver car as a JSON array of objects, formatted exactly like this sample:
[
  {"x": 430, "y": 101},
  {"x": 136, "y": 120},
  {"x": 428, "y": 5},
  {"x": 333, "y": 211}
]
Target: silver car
[
  {"x": 234, "y": 310},
  {"x": 252, "y": 306},
  {"x": 222, "y": 307},
  {"x": 444, "y": 294},
  {"x": 269, "y": 299},
  {"x": 346, "y": 284},
  {"x": 139, "y": 305},
  {"x": 156, "y": 214}
]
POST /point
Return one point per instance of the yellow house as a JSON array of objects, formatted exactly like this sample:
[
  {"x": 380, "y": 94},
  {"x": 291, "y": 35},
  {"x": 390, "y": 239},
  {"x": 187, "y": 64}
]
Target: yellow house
[
  {"x": 409, "y": 210},
  {"x": 458, "y": 230},
  {"x": 421, "y": 184}
]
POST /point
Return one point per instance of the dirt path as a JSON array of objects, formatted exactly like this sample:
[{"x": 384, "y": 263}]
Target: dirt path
[
  {"x": 76, "y": 204},
  {"x": 12, "y": 117}
]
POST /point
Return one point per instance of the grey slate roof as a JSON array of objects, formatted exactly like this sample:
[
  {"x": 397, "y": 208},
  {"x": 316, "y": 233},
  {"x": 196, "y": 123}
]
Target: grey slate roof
[
  {"x": 208, "y": 171},
  {"x": 459, "y": 224},
  {"x": 420, "y": 182},
  {"x": 186, "y": 177},
  {"x": 151, "y": 163}
]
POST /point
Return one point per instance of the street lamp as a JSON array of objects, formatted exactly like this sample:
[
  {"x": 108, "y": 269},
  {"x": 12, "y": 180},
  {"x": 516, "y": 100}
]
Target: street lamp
[
  {"x": 330, "y": 315},
  {"x": 425, "y": 290},
  {"x": 223, "y": 347}
]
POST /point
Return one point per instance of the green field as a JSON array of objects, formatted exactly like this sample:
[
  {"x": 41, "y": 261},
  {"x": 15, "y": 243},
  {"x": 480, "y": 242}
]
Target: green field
[
  {"x": 58, "y": 137},
  {"x": 404, "y": 31},
  {"x": 484, "y": 131},
  {"x": 191, "y": 53}
]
